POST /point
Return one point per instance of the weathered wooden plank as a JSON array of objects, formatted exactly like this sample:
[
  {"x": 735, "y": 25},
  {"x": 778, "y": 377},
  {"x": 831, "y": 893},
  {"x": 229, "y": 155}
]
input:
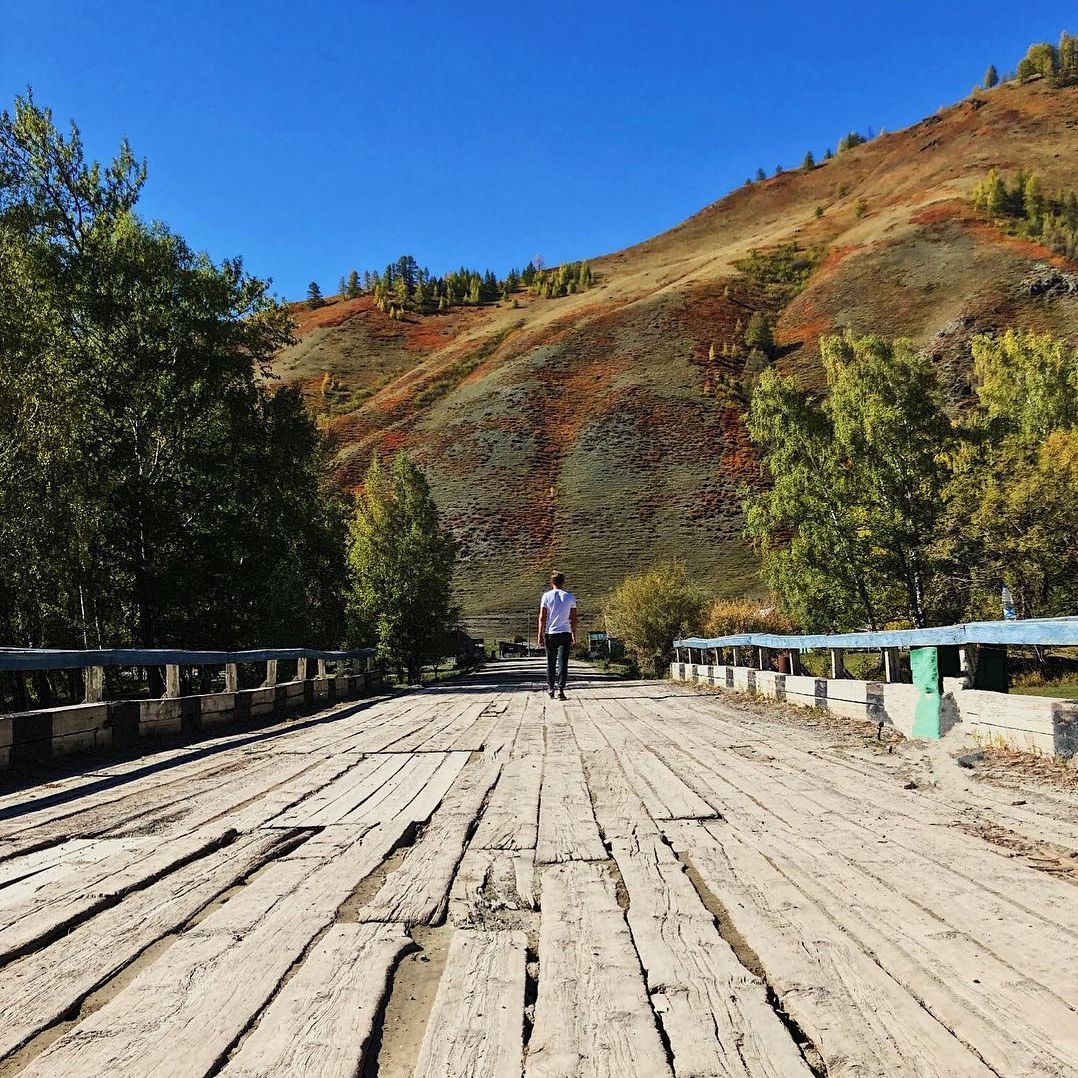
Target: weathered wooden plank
[
  {"x": 320, "y": 1024},
  {"x": 94, "y": 878},
  {"x": 567, "y": 828},
  {"x": 418, "y": 891},
  {"x": 448, "y": 712},
  {"x": 860, "y": 1019},
  {"x": 477, "y": 1025},
  {"x": 592, "y": 1015},
  {"x": 39, "y": 990},
  {"x": 440, "y": 783},
  {"x": 530, "y": 738},
  {"x": 964, "y": 984},
  {"x": 334, "y": 801},
  {"x": 262, "y": 809},
  {"x": 845, "y": 856},
  {"x": 212, "y": 801},
  {"x": 393, "y": 799},
  {"x": 206, "y": 988},
  {"x": 492, "y": 888},
  {"x": 467, "y": 730},
  {"x": 714, "y": 1010},
  {"x": 95, "y": 811},
  {"x": 380, "y": 732},
  {"x": 971, "y": 888},
  {"x": 511, "y": 819},
  {"x": 663, "y": 793},
  {"x": 50, "y": 860}
]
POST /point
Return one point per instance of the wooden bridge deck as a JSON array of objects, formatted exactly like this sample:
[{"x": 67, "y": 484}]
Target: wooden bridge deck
[{"x": 475, "y": 880}]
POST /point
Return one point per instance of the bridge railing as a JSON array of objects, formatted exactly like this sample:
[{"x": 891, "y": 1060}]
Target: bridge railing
[
  {"x": 955, "y": 673},
  {"x": 754, "y": 649},
  {"x": 92, "y": 663},
  {"x": 162, "y": 692}
]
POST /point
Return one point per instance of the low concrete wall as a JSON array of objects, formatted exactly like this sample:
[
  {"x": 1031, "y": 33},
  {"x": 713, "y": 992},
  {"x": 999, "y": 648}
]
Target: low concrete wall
[
  {"x": 1029, "y": 723},
  {"x": 35, "y": 736}
]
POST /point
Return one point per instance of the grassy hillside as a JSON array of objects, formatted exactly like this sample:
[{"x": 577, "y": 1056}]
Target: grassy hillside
[{"x": 594, "y": 432}]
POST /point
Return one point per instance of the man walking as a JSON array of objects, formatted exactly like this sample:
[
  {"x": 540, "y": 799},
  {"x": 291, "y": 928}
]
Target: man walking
[{"x": 557, "y": 626}]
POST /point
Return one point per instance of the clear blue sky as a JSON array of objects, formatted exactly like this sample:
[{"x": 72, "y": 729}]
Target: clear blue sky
[{"x": 311, "y": 138}]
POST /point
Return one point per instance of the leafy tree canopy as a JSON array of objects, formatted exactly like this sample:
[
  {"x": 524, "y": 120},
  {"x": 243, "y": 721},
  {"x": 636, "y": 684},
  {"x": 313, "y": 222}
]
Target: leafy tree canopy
[
  {"x": 154, "y": 491},
  {"x": 856, "y": 485},
  {"x": 400, "y": 559}
]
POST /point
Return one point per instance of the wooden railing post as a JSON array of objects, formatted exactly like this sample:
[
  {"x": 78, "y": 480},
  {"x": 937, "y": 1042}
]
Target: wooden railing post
[
  {"x": 967, "y": 660},
  {"x": 172, "y": 682},
  {"x": 301, "y": 668},
  {"x": 93, "y": 682},
  {"x": 232, "y": 677},
  {"x": 321, "y": 667},
  {"x": 891, "y": 665},
  {"x": 838, "y": 663},
  {"x": 271, "y": 674}
]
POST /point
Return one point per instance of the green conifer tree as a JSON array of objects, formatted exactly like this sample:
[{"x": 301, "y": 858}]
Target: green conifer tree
[
  {"x": 1033, "y": 201},
  {"x": 991, "y": 77},
  {"x": 759, "y": 335}
]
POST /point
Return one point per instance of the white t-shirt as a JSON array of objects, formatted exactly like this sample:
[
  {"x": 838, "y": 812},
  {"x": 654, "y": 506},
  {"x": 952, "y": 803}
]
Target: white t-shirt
[{"x": 557, "y": 604}]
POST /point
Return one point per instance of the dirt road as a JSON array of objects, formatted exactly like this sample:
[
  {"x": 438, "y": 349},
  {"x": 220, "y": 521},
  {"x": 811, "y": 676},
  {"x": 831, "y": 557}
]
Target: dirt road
[{"x": 475, "y": 880}]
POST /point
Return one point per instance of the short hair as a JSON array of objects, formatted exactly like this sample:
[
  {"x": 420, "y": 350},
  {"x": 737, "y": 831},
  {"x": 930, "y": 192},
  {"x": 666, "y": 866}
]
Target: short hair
[{"x": 557, "y": 579}]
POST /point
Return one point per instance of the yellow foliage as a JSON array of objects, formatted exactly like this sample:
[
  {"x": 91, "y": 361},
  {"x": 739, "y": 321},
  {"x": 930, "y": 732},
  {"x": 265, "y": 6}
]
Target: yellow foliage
[{"x": 729, "y": 617}]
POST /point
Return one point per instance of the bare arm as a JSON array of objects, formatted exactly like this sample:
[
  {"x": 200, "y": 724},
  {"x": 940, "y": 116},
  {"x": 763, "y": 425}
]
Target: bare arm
[
  {"x": 542, "y": 626},
  {"x": 572, "y": 623}
]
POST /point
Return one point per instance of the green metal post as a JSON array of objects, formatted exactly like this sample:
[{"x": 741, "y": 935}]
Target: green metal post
[{"x": 924, "y": 666}]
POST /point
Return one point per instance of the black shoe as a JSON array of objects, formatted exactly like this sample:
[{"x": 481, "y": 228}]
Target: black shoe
[
  {"x": 561, "y": 695},
  {"x": 551, "y": 694}
]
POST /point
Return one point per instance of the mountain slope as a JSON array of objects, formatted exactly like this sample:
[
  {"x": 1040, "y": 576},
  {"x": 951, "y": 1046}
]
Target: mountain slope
[{"x": 594, "y": 433}]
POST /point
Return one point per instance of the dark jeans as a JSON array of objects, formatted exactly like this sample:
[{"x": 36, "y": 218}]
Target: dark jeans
[{"x": 557, "y": 659}]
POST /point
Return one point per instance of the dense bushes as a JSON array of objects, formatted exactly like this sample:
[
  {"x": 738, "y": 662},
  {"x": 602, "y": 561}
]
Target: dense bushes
[
  {"x": 650, "y": 610},
  {"x": 782, "y": 271},
  {"x": 729, "y": 617}
]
